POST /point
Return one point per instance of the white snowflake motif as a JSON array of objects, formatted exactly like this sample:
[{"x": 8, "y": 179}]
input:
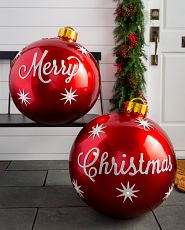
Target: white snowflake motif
[
  {"x": 167, "y": 194},
  {"x": 24, "y": 97},
  {"x": 144, "y": 124},
  {"x": 127, "y": 192},
  {"x": 96, "y": 130},
  {"x": 69, "y": 96},
  {"x": 82, "y": 50},
  {"x": 77, "y": 188}
]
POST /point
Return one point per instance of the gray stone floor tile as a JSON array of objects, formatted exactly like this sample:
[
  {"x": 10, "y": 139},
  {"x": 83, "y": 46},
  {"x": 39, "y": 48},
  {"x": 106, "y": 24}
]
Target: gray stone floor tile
[
  {"x": 85, "y": 218},
  {"x": 22, "y": 178},
  {"x": 17, "y": 219},
  {"x": 175, "y": 198},
  {"x": 4, "y": 164},
  {"x": 39, "y": 197},
  {"x": 37, "y": 165},
  {"x": 58, "y": 177},
  {"x": 171, "y": 217}
]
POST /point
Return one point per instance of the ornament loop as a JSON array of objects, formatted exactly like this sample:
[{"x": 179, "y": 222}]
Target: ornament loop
[
  {"x": 138, "y": 99},
  {"x": 68, "y": 33},
  {"x": 140, "y": 108}
]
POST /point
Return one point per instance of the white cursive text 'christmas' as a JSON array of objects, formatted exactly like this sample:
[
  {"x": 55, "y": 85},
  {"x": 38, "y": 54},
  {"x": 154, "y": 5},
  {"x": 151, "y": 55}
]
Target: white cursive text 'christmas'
[{"x": 108, "y": 165}]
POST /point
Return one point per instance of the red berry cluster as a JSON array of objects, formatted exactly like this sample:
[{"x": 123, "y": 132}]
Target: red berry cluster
[
  {"x": 133, "y": 40},
  {"x": 118, "y": 12}
]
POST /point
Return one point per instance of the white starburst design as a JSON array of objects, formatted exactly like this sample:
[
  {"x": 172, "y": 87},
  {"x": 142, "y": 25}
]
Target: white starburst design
[
  {"x": 144, "y": 123},
  {"x": 24, "y": 97},
  {"x": 167, "y": 194},
  {"x": 69, "y": 96},
  {"x": 82, "y": 50},
  {"x": 96, "y": 130},
  {"x": 77, "y": 188},
  {"x": 127, "y": 192}
]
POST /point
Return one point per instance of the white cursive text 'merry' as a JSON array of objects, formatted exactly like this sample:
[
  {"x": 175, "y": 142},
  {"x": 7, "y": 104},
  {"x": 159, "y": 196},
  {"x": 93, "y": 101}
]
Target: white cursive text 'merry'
[{"x": 47, "y": 68}]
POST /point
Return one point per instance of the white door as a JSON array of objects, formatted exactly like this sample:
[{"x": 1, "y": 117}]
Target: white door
[{"x": 166, "y": 82}]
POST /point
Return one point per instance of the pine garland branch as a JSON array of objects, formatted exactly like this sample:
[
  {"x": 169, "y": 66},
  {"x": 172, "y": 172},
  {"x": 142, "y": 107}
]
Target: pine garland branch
[{"x": 129, "y": 52}]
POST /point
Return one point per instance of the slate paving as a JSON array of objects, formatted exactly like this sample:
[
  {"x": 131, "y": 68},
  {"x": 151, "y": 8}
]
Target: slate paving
[
  {"x": 171, "y": 217},
  {"x": 22, "y": 178},
  {"x": 37, "y": 165},
  {"x": 176, "y": 198},
  {"x": 4, "y": 165},
  {"x": 85, "y": 218},
  {"x": 37, "y": 195},
  {"x": 17, "y": 219},
  {"x": 58, "y": 177}
]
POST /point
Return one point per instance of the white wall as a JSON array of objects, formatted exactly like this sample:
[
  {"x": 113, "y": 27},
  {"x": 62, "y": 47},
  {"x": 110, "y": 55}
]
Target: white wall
[{"x": 22, "y": 22}]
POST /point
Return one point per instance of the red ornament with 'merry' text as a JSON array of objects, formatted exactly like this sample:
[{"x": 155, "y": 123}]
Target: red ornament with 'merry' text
[
  {"x": 55, "y": 81},
  {"x": 123, "y": 164}
]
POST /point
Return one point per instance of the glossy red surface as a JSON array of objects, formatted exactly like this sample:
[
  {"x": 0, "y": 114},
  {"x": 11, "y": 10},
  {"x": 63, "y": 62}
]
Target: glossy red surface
[
  {"x": 54, "y": 82},
  {"x": 126, "y": 169}
]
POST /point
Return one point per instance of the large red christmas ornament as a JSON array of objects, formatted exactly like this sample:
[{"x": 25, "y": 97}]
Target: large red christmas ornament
[
  {"x": 55, "y": 81},
  {"x": 123, "y": 164}
]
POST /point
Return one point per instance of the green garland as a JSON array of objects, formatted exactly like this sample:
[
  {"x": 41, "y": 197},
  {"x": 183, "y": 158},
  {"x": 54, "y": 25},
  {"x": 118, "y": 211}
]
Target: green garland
[{"x": 129, "y": 52}]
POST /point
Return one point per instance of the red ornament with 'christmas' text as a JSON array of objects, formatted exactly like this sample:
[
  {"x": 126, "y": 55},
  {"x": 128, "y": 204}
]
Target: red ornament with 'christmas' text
[{"x": 123, "y": 164}]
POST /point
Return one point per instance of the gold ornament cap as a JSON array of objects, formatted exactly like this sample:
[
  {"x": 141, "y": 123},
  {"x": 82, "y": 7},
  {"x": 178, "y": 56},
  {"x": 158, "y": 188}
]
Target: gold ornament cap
[
  {"x": 68, "y": 33},
  {"x": 140, "y": 108}
]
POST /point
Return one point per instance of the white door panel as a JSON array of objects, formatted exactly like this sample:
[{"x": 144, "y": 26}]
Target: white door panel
[
  {"x": 173, "y": 14},
  {"x": 170, "y": 41},
  {"x": 173, "y": 70},
  {"x": 165, "y": 89}
]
